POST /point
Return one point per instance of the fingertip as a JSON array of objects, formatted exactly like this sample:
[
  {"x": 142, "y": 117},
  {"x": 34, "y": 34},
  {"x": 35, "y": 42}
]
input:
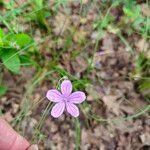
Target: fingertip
[
  {"x": 19, "y": 144},
  {"x": 10, "y": 139}
]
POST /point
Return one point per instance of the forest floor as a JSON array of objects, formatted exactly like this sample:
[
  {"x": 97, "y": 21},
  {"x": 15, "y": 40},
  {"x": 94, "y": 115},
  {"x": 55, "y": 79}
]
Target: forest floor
[{"x": 99, "y": 46}]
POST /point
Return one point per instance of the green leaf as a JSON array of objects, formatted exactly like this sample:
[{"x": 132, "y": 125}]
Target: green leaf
[
  {"x": 11, "y": 60},
  {"x": 39, "y": 3},
  {"x": 3, "y": 90},
  {"x": 1, "y": 33},
  {"x": 26, "y": 60},
  {"x": 144, "y": 86},
  {"x": 22, "y": 39},
  {"x": 1, "y": 42},
  {"x": 40, "y": 14},
  {"x": 141, "y": 63},
  {"x": 1, "y": 37},
  {"x": 132, "y": 10},
  {"x": 103, "y": 22},
  {"x": 0, "y": 52}
]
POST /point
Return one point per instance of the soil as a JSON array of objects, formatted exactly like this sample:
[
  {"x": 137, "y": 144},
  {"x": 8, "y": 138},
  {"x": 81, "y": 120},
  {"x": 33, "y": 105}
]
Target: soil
[{"x": 112, "y": 93}]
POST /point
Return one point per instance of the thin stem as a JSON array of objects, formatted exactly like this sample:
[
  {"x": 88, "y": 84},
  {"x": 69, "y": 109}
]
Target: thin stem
[
  {"x": 41, "y": 122},
  {"x": 141, "y": 112},
  {"x": 77, "y": 134}
]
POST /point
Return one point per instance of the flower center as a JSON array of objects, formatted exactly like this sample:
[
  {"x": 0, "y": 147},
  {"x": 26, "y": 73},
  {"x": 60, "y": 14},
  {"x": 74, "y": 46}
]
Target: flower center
[{"x": 65, "y": 99}]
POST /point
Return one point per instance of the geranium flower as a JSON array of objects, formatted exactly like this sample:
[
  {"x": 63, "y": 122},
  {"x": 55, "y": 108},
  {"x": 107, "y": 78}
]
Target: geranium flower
[{"x": 65, "y": 99}]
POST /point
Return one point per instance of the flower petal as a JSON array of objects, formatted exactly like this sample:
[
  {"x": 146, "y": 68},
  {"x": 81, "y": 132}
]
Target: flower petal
[
  {"x": 54, "y": 95},
  {"x": 72, "y": 109},
  {"x": 58, "y": 109},
  {"x": 66, "y": 87},
  {"x": 77, "y": 97}
]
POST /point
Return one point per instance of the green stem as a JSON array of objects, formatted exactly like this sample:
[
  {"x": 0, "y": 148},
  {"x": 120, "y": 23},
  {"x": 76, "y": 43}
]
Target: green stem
[
  {"x": 41, "y": 122},
  {"x": 77, "y": 134},
  {"x": 141, "y": 112}
]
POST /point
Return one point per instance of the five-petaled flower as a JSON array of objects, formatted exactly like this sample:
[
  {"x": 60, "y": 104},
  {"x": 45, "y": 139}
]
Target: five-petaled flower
[{"x": 65, "y": 100}]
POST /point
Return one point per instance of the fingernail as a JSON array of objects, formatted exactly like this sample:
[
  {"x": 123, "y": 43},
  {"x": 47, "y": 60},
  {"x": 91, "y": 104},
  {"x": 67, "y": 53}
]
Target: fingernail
[{"x": 33, "y": 147}]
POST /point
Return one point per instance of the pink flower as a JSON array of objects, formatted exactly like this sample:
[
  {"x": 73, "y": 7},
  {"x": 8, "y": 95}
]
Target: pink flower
[{"x": 65, "y": 100}]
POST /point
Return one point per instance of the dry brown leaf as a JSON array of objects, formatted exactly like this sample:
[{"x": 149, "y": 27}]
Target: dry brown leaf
[
  {"x": 145, "y": 138},
  {"x": 79, "y": 36},
  {"x": 112, "y": 103},
  {"x": 107, "y": 43},
  {"x": 92, "y": 92},
  {"x": 61, "y": 23},
  {"x": 79, "y": 65},
  {"x": 145, "y": 9},
  {"x": 66, "y": 61}
]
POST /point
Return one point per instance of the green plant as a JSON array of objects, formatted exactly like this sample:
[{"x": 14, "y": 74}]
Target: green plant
[
  {"x": 39, "y": 13},
  {"x": 131, "y": 9},
  {"x": 3, "y": 90},
  {"x": 142, "y": 72},
  {"x": 59, "y": 3},
  {"x": 12, "y": 49},
  {"x": 9, "y": 19},
  {"x": 133, "y": 14}
]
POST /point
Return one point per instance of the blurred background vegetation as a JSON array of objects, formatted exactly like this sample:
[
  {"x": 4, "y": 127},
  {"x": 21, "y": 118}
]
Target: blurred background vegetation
[{"x": 103, "y": 46}]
